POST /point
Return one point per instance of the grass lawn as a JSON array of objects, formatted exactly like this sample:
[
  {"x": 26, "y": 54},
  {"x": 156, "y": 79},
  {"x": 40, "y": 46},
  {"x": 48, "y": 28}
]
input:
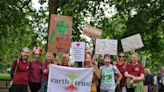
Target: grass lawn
[
  {"x": 4, "y": 81},
  {"x": 5, "y": 76}
]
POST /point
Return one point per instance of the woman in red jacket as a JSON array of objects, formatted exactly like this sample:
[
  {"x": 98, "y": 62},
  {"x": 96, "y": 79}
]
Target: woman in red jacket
[{"x": 20, "y": 72}]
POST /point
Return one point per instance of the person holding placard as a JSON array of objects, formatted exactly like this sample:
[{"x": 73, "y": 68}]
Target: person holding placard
[
  {"x": 122, "y": 67},
  {"x": 108, "y": 72},
  {"x": 96, "y": 74},
  {"x": 135, "y": 75}
]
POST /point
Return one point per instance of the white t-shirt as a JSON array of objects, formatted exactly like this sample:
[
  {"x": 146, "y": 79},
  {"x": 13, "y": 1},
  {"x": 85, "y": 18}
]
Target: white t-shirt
[{"x": 108, "y": 77}]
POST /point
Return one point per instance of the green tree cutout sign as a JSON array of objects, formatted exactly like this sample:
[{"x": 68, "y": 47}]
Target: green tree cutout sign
[{"x": 61, "y": 28}]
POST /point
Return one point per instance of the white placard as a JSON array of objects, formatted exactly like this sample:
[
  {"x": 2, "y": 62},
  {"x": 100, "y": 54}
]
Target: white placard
[
  {"x": 68, "y": 79},
  {"x": 131, "y": 43},
  {"x": 106, "y": 46},
  {"x": 78, "y": 51}
]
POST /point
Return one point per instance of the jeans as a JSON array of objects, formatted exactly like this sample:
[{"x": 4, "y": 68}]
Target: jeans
[{"x": 43, "y": 87}]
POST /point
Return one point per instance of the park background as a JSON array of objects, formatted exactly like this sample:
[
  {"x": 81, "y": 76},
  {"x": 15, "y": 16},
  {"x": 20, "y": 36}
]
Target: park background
[{"x": 25, "y": 23}]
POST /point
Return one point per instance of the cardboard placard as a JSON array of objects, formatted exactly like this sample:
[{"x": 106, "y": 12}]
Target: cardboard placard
[
  {"x": 92, "y": 31},
  {"x": 106, "y": 46},
  {"x": 131, "y": 43},
  {"x": 60, "y": 32}
]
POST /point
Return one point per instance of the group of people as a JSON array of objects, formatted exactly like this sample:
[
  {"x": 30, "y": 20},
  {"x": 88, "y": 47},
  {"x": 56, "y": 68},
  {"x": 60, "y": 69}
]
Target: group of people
[
  {"x": 32, "y": 74},
  {"x": 121, "y": 76}
]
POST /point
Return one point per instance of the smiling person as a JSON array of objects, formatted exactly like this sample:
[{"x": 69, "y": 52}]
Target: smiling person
[
  {"x": 122, "y": 67},
  {"x": 96, "y": 73},
  {"x": 20, "y": 72},
  {"x": 45, "y": 70},
  {"x": 35, "y": 70},
  {"x": 108, "y": 73},
  {"x": 65, "y": 60},
  {"x": 135, "y": 75}
]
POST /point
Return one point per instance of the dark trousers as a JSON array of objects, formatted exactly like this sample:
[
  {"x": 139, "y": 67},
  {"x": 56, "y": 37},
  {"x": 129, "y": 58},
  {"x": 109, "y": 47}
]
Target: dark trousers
[
  {"x": 34, "y": 87},
  {"x": 161, "y": 90},
  {"x": 130, "y": 89},
  {"x": 19, "y": 88}
]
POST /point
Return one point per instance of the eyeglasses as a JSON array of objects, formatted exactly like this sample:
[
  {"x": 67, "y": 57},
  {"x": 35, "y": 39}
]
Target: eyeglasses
[{"x": 121, "y": 56}]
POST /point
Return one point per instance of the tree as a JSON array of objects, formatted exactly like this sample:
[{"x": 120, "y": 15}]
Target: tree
[
  {"x": 130, "y": 17},
  {"x": 16, "y": 29}
]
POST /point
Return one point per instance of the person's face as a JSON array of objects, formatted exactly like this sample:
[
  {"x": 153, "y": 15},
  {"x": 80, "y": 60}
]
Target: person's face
[
  {"x": 162, "y": 70},
  {"x": 49, "y": 57},
  {"x": 65, "y": 61},
  {"x": 107, "y": 61},
  {"x": 87, "y": 61},
  {"x": 121, "y": 57},
  {"x": 25, "y": 54},
  {"x": 134, "y": 58},
  {"x": 36, "y": 55}
]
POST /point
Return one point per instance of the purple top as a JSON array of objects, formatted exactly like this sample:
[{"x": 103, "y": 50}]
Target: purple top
[
  {"x": 44, "y": 67},
  {"x": 35, "y": 71}
]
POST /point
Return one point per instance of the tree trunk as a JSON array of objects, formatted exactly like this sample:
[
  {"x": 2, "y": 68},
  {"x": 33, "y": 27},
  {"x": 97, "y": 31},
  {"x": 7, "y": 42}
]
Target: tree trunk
[{"x": 52, "y": 10}]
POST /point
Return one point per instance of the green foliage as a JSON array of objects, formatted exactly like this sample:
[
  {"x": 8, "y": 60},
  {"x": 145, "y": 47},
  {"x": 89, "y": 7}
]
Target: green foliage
[
  {"x": 21, "y": 25},
  {"x": 16, "y": 30}
]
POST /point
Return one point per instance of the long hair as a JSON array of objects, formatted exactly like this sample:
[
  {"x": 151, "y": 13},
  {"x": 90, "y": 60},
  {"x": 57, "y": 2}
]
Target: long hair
[
  {"x": 45, "y": 59},
  {"x": 136, "y": 54}
]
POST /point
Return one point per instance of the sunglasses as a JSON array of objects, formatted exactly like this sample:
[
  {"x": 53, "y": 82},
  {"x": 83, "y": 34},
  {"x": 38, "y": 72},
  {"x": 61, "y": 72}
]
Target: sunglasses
[{"x": 121, "y": 56}]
